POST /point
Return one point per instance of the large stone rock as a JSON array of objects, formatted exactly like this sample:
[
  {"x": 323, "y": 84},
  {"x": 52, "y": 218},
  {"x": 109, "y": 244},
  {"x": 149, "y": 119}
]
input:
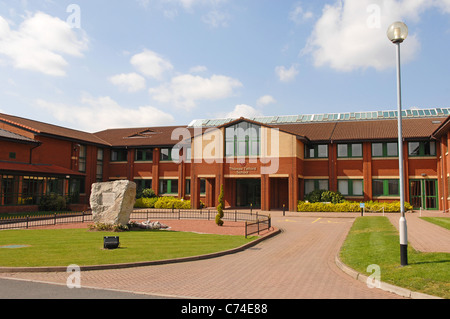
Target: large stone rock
[{"x": 113, "y": 202}]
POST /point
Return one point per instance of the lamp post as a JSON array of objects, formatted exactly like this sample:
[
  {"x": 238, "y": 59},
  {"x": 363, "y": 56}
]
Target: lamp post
[{"x": 397, "y": 33}]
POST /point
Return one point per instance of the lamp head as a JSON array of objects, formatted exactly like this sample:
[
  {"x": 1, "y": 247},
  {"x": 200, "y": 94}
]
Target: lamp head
[{"x": 397, "y": 32}]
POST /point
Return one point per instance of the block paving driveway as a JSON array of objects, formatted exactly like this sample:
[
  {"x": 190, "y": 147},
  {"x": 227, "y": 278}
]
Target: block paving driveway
[{"x": 299, "y": 263}]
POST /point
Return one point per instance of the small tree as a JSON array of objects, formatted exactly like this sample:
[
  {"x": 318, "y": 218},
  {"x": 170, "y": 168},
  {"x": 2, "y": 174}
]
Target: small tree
[{"x": 220, "y": 206}]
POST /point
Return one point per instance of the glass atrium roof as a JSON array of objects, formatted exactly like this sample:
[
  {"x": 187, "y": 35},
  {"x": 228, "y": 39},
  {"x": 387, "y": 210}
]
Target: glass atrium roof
[{"x": 332, "y": 117}]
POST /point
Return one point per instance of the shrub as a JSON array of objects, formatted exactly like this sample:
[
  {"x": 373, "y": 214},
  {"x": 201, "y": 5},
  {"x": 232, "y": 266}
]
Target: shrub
[
  {"x": 347, "y": 206},
  {"x": 52, "y": 202},
  {"x": 145, "y": 202},
  {"x": 219, "y": 215},
  {"x": 172, "y": 202},
  {"x": 317, "y": 196}
]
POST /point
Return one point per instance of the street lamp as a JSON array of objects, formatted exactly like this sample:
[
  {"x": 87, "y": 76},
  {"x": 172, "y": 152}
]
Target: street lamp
[{"x": 397, "y": 33}]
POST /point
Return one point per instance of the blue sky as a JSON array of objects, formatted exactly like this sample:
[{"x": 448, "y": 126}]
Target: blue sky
[{"x": 99, "y": 64}]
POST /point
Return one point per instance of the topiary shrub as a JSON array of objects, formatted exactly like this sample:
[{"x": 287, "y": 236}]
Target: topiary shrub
[
  {"x": 321, "y": 195},
  {"x": 220, "y": 207}
]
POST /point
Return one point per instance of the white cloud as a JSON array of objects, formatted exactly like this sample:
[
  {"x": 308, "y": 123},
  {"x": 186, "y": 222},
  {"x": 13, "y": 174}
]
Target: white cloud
[
  {"x": 198, "y": 69},
  {"x": 216, "y": 19},
  {"x": 243, "y": 110},
  {"x": 286, "y": 75},
  {"x": 185, "y": 90},
  {"x": 151, "y": 64},
  {"x": 95, "y": 114},
  {"x": 40, "y": 42},
  {"x": 265, "y": 100},
  {"x": 131, "y": 82},
  {"x": 298, "y": 15},
  {"x": 351, "y": 34}
]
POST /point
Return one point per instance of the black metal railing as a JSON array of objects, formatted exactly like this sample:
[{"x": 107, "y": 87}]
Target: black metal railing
[{"x": 254, "y": 221}]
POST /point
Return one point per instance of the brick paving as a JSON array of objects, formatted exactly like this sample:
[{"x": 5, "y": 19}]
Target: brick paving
[{"x": 296, "y": 264}]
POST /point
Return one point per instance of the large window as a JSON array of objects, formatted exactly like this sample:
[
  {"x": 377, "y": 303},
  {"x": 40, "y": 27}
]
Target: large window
[
  {"x": 385, "y": 187},
  {"x": 82, "y": 159},
  {"x": 145, "y": 154},
  {"x": 427, "y": 148},
  {"x": 316, "y": 151},
  {"x": 243, "y": 139},
  {"x": 168, "y": 186},
  {"x": 351, "y": 187},
  {"x": 350, "y": 150},
  {"x": 119, "y": 155},
  {"x": 99, "y": 171},
  {"x": 170, "y": 154},
  {"x": 385, "y": 149},
  {"x": 315, "y": 184}
]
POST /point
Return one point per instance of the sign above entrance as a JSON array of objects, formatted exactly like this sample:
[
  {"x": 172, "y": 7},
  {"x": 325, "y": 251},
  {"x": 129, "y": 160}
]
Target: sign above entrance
[{"x": 243, "y": 170}]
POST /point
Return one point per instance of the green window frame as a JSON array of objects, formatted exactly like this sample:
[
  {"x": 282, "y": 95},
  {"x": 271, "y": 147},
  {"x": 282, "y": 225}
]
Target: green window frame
[
  {"x": 99, "y": 169},
  {"x": 243, "y": 139},
  {"x": 315, "y": 184},
  {"x": 422, "y": 148},
  {"x": 168, "y": 186},
  {"x": 351, "y": 187},
  {"x": 169, "y": 154},
  {"x": 316, "y": 151},
  {"x": 386, "y": 187},
  {"x": 351, "y": 150},
  {"x": 385, "y": 149},
  {"x": 143, "y": 155}
]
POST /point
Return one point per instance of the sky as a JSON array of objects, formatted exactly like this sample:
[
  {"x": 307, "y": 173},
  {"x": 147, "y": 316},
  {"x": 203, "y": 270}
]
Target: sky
[{"x": 98, "y": 64}]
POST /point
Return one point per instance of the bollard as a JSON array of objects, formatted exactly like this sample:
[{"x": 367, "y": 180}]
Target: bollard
[{"x": 284, "y": 209}]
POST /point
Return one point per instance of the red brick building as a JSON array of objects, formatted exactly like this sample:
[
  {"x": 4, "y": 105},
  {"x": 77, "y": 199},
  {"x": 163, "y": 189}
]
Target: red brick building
[{"x": 265, "y": 162}]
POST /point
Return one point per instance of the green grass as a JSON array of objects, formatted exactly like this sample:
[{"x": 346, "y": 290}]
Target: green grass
[
  {"x": 63, "y": 247},
  {"x": 374, "y": 240},
  {"x": 440, "y": 221}
]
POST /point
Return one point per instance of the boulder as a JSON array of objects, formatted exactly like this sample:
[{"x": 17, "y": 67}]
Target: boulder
[{"x": 112, "y": 202}]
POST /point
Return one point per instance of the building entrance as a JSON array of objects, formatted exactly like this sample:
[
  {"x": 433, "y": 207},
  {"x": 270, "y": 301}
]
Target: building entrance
[
  {"x": 423, "y": 193},
  {"x": 248, "y": 192}
]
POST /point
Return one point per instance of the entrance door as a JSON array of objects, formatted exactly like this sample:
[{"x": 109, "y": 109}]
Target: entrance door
[
  {"x": 423, "y": 193},
  {"x": 248, "y": 191}
]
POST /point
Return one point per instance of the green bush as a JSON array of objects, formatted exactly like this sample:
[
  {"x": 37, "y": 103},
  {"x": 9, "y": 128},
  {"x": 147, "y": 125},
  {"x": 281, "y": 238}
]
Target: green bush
[
  {"x": 52, "y": 202},
  {"x": 347, "y": 206},
  {"x": 172, "y": 202},
  {"x": 145, "y": 202},
  {"x": 321, "y": 195},
  {"x": 219, "y": 215}
]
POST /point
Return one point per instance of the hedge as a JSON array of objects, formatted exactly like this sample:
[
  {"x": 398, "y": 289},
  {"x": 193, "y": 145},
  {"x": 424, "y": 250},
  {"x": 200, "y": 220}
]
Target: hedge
[
  {"x": 346, "y": 206},
  {"x": 162, "y": 202}
]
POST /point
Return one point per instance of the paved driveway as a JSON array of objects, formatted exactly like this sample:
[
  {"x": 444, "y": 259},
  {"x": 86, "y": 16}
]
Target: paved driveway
[{"x": 298, "y": 263}]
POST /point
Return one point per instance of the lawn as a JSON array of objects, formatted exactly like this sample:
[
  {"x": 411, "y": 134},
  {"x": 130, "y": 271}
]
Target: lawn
[
  {"x": 440, "y": 221},
  {"x": 374, "y": 240},
  {"x": 63, "y": 247}
]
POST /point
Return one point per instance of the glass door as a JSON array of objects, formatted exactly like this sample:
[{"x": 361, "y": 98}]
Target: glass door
[{"x": 423, "y": 194}]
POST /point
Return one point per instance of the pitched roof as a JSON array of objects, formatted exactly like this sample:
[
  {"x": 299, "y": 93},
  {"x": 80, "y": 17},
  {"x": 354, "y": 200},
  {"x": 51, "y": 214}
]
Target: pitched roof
[
  {"x": 37, "y": 168},
  {"x": 37, "y": 127},
  {"x": 157, "y": 136},
  {"x": 7, "y": 135},
  {"x": 366, "y": 130}
]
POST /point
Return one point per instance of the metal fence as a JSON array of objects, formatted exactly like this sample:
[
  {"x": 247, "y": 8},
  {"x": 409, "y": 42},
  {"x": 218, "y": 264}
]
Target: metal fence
[{"x": 254, "y": 221}]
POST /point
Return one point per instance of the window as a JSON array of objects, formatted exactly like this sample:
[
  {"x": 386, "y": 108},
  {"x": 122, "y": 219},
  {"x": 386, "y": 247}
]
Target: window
[
  {"x": 202, "y": 186},
  {"x": 12, "y": 155},
  {"x": 427, "y": 148},
  {"x": 170, "y": 154},
  {"x": 351, "y": 187},
  {"x": 144, "y": 155},
  {"x": 350, "y": 150},
  {"x": 188, "y": 187},
  {"x": 82, "y": 159},
  {"x": 315, "y": 184},
  {"x": 119, "y": 155},
  {"x": 386, "y": 187},
  {"x": 142, "y": 184},
  {"x": 168, "y": 186},
  {"x": 385, "y": 149},
  {"x": 99, "y": 171},
  {"x": 243, "y": 139},
  {"x": 316, "y": 151}
]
